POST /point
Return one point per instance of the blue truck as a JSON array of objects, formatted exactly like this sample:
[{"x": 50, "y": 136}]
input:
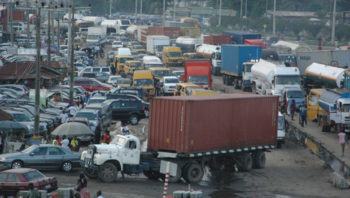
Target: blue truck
[
  {"x": 236, "y": 62},
  {"x": 238, "y": 37}
]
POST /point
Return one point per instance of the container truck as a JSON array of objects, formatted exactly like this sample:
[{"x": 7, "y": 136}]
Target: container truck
[
  {"x": 214, "y": 53},
  {"x": 337, "y": 105},
  {"x": 319, "y": 75},
  {"x": 185, "y": 137},
  {"x": 233, "y": 57},
  {"x": 198, "y": 73},
  {"x": 188, "y": 44},
  {"x": 238, "y": 37},
  {"x": 270, "y": 78},
  {"x": 155, "y": 44},
  {"x": 96, "y": 33}
]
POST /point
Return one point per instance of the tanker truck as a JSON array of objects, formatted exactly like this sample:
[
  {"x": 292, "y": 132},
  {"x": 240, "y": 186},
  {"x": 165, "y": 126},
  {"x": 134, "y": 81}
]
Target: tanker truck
[
  {"x": 337, "y": 105},
  {"x": 180, "y": 131},
  {"x": 323, "y": 76},
  {"x": 214, "y": 53},
  {"x": 269, "y": 78}
]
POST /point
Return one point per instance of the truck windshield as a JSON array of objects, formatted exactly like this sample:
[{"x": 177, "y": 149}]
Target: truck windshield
[
  {"x": 174, "y": 54},
  {"x": 89, "y": 116},
  {"x": 143, "y": 82},
  {"x": 160, "y": 48},
  {"x": 93, "y": 37},
  {"x": 248, "y": 67},
  {"x": 346, "y": 108},
  {"x": 158, "y": 73},
  {"x": 287, "y": 80},
  {"x": 280, "y": 123},
  {"x": 202, "y": 80},
  {"x": 295, "y": 94}
]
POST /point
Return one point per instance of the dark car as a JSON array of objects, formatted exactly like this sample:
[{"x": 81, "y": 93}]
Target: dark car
[
  {"x": 128, "y": 109},
  {"x": 42, "y": 156},
  {"x": 14, "y": 180}
]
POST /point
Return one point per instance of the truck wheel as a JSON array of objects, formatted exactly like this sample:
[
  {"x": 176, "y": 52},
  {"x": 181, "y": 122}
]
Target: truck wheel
[
  {"x": 153, "y": 175},
  {"x": 193, "y": 173},
  {"x": 134, "y": 120},
  {"x": 108, "y": 172},
  {"x": 90, "y": 173},
  {"x": 260, "y": 159},
  {"x": 246, "y": 162}
]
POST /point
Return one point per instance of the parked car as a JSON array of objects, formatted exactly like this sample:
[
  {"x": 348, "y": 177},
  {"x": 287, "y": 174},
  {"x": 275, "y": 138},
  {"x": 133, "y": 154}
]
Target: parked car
[
  {"x": 102, "y": 77},
  {"x": 168, "y": 85},
  {"x": 19, "y": 88},
  {"x": 14, "y": 180},
  {"x": 113, "y": 80},
  {"x": 92, "y": 116},
  {"x": 89, "y": 75},
  {"x": 104, "y": 113},
  {"x": 43, "y": 156},
  {"x": 96, "y": 99},
  {"x": 129, "y": 109},
  {"x": 91, "y": 84}
]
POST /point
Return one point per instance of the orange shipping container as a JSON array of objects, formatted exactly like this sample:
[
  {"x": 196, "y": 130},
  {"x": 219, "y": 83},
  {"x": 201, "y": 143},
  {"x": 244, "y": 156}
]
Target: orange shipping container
[{"x": 195, "y": 124}]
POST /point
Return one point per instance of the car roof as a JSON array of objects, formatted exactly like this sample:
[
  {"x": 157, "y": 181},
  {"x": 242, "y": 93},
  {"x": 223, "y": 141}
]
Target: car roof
[{"x": 19, "y": 170}]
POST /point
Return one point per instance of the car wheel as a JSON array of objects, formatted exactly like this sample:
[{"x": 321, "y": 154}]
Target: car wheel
[
  {"x": 146, "y": 111},
  {"x": 134, "y": 120},
  {"x": 17, "y": 164},
  {"x": 108, "y": 172},
  {"x": 67, "y": 166}
]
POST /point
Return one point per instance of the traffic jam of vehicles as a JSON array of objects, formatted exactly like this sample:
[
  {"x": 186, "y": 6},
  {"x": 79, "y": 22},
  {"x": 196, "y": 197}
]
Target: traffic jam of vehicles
[{"x": 196, "y": 103}]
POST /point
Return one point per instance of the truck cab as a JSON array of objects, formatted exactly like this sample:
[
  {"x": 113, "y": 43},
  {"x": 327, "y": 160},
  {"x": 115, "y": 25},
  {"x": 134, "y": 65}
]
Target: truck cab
[
  {"x": 247, "y": 75},
  {"x": 119, "y": 62},
  {"x": 198, "y": 73},
  {"x": 314, "y": 111},
  {"x": 122, "y": 154},
  {"x": 131, "y": 66},
  {"x": 172, "y": 56},
  {"x": 145, "y": 80},
  {"x": 159, "y": 72}
]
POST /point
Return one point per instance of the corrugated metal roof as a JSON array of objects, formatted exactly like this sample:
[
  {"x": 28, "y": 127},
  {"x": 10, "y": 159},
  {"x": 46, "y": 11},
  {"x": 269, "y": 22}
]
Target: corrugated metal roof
[
  {"x": 26, "y": 70},
  {"x": 5, "y": 116}
]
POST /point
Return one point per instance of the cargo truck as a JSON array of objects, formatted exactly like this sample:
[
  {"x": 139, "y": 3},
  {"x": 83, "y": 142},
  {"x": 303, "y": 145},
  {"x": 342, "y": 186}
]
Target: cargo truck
[
  {"x": 198, "y": 73},
  {"x": 155, "y": 44},
  {"x": 232, "y": 59},
  {"x": 323, "y": 76},
  {"x": 238, "y": 37},
  {"x": 337, "y": 105},
  {"x": 214, "y": 53},
  {"x": 269, "y": 78},
  {"x": 248, "y": 125},
  {"x": 95, "y": 34}
]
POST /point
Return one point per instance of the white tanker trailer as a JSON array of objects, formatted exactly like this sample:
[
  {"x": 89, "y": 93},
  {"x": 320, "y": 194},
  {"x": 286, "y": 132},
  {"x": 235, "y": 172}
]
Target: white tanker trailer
[
  {"x": 214, "y": 53},
  {"x": 319, "y": 75}
]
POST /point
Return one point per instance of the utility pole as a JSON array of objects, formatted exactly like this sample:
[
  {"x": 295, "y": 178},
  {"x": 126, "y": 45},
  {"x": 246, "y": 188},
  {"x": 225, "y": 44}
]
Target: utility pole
[
  {"x": 266, "y": 6},
  {"x": 241, "y": 12},
  {"x": 110, "y": 8},
  {"x": 163, "y": 13},
  {"x": 37, "y": 76},
  {"x": 141, "y": 7},
  {"x": 174, "y": 10},
  {"x": 135, "y": 8},
  {"x": 220, "y": 12},
  {"x": 49, "y": 34},
  {"x": 333, "y": 21},
  {"x": 274, "y": 18},
  {"x": 71, "y": 96},
  {"x": 28, "y": 27},
  {"x": 246, "y": 5},
  {"x": 11, "y": 24},
  {"x": 58, "y": 33}
]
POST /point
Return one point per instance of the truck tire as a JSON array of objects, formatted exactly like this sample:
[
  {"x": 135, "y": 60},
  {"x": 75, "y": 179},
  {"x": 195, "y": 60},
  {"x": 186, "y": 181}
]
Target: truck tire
[
  {"x": 246, "y": 162},
  {"x": 152, "y": 175},
  {"x": 259, "y": 160},
  {"x": 92, "y": 174},
  {"x": 108, "y": 172},
  {"x": 193, "y": 173}
]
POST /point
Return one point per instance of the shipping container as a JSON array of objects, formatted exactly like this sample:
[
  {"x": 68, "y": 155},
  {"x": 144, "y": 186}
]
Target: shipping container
[
  {"x": 217, "y": 39},
  {"x": 197, "y": 124},
  {"x": 171, "y": 32},
  {"x": 238, "y": 37},
  {"x": 190, "y": 31}
]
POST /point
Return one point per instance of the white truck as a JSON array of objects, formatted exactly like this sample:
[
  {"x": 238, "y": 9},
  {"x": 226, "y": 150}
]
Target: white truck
[
  {"x": 155, "y": 44},
  {"x": 169, "y": 84},
  {"x": 270, "y": 78},
  {"x": 214, "y": 53},
  {"x": 95, "y": 34}
]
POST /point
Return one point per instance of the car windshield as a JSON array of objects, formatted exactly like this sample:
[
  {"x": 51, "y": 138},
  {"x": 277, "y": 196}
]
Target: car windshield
[
  {"x": 157, "y": 73},
  {"x": 143, "y": 82},
  {"x": 117, "y": 43},
  {"x": 19, "y": 117},
  {"x": 171, "y": 80},
  {"x": 29, "y": 149},
  {"x": 88, "y": 115},
  {"x": 174, "y": 54},
  {"x": 95, "y": 100},
  {"x": 295, "y": 94},
  {"x": 287, "y": 80},
  {"x": 280, "y": 123},
  {"x": 198, "y": 79},
  {"x": 33, "y": 175}
]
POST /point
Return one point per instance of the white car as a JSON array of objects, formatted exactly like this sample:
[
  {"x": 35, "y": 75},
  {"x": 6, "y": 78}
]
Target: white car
[
  {"x": 116, "y": 45},
  {"x": 113, "y": 80},
  {"x": 169, "y": 83}
]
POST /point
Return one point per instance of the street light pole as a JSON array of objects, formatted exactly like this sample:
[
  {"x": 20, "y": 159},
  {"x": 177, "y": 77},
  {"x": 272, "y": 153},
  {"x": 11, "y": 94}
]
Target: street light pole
[
  {"x": 110, "y": 8},
  {"x": 220, "y": 12},
  {"x": 333, "y": 21},
  {"x": 71, "y": 95},
  {"x": 141, "y": 7},
  {"x": 174, "y": 10},
  {"x": 135, "y": 8},
  {"x": 274, "y": 18},
  {"x": 49, "y": 34},
  {"x": 241, "y": 12},
  {"x": 37, "y": 76},
  {"x": 246, "y": 5},
  {"x": 163, "y": 13}
]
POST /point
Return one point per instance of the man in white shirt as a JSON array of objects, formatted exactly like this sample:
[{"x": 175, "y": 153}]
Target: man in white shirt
[
  {"x": 63, "y": 117},
  {"x": 72, "y": 111},
  {"x": 65, "y": 142}
]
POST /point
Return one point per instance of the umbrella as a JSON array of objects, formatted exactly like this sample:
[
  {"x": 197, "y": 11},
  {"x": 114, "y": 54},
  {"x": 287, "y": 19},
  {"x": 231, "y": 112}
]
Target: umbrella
[
  {"x": 72, "y": 129},
  {"x": 12, "y": 126}
]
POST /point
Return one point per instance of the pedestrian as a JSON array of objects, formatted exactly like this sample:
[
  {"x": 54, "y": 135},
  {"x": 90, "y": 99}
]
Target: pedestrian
[
  {"x": 82, "y": 103},
  {"x": 63, "y": 116},
  {"x": 107, "y": 137},
  {"x": 86, "y": 97},
  {"x": 99, "y": 194},
  {"x": 302, "y": 113},
  {"x": 65, "y": 142},
  {"x": 56, "y": 141},
  {"x": 342, "y": 140},
  {"x": 74, "y": 144},
  {"x": 72, "y": 110},
  {"x": 292, "y": 109},
  {"x": 33, "y": 192},
  {"x": 81, "y": 184},
  {"x": 124, "y": 128}
]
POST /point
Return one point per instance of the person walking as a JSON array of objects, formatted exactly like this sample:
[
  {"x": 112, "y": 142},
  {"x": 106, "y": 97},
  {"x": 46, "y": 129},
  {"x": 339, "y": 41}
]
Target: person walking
[
  {"x": 302, "y": 115},
  {"x": 65, "y": 142},
  {"x": 74, "y": 144},
  {"x": 292, "y": 109},
  {"x": 63, "y": 116},
  {"x": 342, "y": 140},
  {"x": 81, "y": 184},
  {"x": 33, "y": 192}
]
